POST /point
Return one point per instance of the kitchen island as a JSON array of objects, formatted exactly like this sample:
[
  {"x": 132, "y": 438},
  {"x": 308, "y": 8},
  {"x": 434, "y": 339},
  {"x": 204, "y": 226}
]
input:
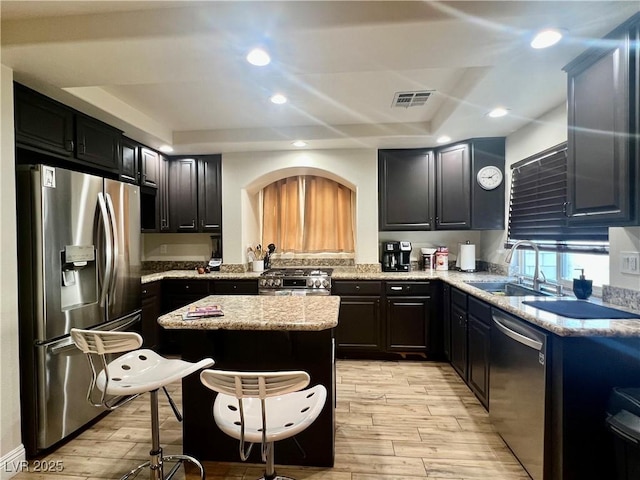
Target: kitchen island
[{"x": 259, "y": 333}]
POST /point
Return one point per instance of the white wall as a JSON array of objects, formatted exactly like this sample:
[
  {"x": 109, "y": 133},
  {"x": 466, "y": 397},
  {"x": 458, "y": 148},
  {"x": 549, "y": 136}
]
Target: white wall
[
  {"x": 245, "y": 174},
  {"x": 11, "y": 448},
  {"x": 538, "y": 135},
  {"x": 623, "y": 240}
]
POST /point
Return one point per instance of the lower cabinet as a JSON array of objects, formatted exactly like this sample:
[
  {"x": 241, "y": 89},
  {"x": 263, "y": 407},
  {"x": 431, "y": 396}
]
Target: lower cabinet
[
  {"x": 479, "y": 342},
  {"x": 151, "y": 310},
  {"x": 234, "y": 287},
  {"x": 359, "y": 327},
  {"x": 470, "y": 324},
  {"x": 408, "y": 316},
  {"x": 177, "y": 294}
]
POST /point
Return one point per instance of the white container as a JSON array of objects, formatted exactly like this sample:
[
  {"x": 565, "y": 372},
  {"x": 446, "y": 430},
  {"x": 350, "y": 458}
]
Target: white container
[{"x": 257, "y": 265}]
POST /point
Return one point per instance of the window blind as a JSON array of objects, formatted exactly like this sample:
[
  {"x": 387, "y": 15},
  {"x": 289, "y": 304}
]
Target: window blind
[{"x": 537, "y": 207}]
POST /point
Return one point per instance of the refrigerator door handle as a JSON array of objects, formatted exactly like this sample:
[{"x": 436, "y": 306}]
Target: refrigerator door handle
[
  {"x": 114, "y": 243},
  {"x": 108, "y": 273}
]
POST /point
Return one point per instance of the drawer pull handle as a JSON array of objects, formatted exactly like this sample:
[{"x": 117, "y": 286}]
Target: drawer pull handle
[{"x": 396, "y": 288}]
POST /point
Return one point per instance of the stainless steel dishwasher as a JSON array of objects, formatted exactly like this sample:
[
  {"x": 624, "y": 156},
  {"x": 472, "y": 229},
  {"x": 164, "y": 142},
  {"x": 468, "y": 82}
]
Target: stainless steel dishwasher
[{"x": 517, "y": 389}]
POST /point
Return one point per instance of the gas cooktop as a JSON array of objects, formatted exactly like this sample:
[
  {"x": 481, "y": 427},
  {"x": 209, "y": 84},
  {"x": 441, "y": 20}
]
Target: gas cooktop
[
  {"x": 298, "y": 272},
  {"x": 305, "y": 281}
]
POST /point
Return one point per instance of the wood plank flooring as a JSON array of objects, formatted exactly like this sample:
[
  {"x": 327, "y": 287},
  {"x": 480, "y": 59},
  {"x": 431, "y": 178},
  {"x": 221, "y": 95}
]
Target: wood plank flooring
[{"x": 395, "y": 420}]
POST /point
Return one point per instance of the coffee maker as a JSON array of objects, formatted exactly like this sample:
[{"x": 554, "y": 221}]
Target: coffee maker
[{"x": 396, "y": 256}]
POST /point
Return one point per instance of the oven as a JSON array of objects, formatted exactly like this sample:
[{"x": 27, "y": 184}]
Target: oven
[{"x": 295, "y": 281}]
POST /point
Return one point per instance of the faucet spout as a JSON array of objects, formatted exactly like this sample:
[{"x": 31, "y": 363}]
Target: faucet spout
[{"x": 536, "y": 271}]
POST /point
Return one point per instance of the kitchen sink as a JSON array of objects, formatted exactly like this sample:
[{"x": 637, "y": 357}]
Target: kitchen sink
[{"x": 508, "y": 289}]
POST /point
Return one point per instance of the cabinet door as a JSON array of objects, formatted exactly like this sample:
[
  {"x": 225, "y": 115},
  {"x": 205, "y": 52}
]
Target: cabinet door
[
  {"x": 406, "y": 186},
  {"x": 210, "y": 193},
  {"x": 97, "y": 143},
  {"x": 149, "y": 168},
  {"x": 183, "y": 195},
  {"x": 359, "y": 328},
  {"x": 129, "y": 161},
  {"x": 459, "y": 340},
  {"x": 479, "y": 344},
  {"x": 453, "y": 184},
  {"x": 408, "y": 324},
  {"x": 446, "y": 318},
  {"x": 162, "y": 196},
  {"x": 601, "y": 178},
  {"x": 42, "y": 123},
  {"x": 151, "y": 309}
]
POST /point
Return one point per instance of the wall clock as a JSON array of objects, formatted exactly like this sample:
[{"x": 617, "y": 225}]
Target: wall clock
[{"x": 489, "y": 177}]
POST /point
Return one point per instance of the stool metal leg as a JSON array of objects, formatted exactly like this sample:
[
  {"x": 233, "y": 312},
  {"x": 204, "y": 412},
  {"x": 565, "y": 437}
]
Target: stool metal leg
[
  {"x": 270, "y": 469},
  {"x": 156, "y": 462}
]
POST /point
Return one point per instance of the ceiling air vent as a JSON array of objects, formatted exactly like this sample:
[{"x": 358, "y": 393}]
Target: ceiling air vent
[{"x": 411, "y": 99}]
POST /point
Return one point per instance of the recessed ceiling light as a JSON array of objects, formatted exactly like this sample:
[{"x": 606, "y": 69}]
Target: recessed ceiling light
[
  {"x": 166, "y": 148},
  {"x": 299, "y": 143},
  {"x": 498, "y": 112},
  {"x": 278, "y": 99},
  {"x": 546, "y": 38},
  {"x": 443, "y": 139},
  {"x": 258, "y": 57}
]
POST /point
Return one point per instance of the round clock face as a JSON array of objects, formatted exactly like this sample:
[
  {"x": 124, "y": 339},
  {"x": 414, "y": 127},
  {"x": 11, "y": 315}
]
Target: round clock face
[{"x": 489, "y": 177}]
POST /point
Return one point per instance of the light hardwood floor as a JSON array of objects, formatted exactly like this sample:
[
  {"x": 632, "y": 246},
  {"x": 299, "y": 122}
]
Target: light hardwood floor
[{"x": 395, "y": 420}]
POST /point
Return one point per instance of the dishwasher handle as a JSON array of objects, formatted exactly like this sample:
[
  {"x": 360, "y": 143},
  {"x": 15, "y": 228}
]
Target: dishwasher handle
[{"x": 499, "y": 322}]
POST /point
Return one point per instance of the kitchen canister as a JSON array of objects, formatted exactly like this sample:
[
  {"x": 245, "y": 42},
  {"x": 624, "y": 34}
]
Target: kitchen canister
[
  {"x": 428, "y": 258},
  {"x": 442, "y": 258}
]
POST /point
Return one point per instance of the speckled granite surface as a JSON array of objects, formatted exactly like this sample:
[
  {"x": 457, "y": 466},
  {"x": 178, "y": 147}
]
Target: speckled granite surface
[
  {"x": 559, "y": 325},
  {"x": 254, "y": 312}
]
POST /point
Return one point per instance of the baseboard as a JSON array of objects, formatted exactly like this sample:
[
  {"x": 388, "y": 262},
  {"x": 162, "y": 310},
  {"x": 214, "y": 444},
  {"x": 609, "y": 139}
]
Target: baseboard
[{"x": 13, "y": 463}]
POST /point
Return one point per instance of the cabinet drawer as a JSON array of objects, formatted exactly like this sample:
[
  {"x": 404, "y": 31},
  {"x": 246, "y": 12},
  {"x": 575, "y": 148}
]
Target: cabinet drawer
[
  {"x": 177, "y": 287},
  {"x": 237, "y": 287},
  {"x": 356, "y": 288},
  {"x": 458, "y": 297},
  {"x": 480, "y": 310},
  {"x": 150, "y": 290},
  {"x": 408, "y": 288}
]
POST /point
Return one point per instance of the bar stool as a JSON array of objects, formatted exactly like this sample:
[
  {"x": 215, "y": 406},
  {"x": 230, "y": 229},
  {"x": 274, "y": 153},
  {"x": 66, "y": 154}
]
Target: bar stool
[
  {"x": 263, "y": 407},
  {"x": 130, "y": 375}
]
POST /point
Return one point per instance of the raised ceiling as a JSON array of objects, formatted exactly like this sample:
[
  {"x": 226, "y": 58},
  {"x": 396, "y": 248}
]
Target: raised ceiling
[{"x": 175, "y": 72}]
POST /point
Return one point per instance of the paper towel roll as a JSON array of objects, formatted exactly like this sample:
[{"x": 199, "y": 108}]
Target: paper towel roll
[{"x": 467, "y": 255}]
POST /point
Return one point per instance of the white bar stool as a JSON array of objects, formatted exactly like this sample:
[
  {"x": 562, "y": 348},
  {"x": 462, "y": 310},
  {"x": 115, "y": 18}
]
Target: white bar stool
[
  {"x": 130, "y": 375},
  {"x": 263, "y": 407}
]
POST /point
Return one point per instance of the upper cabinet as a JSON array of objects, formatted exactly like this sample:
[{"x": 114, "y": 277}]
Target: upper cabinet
[
  {"x": 98, "y": 143},
  {"x": 195, "y": 194},
  {"x": 149, "y": 167},
  {"x": 129, "y": 160},
  {"x": 604, "y": 129},
  {"x": 443, "y": 189},
  {"x": 406, "y": 180},
  {"x": 42, "y": 124}
]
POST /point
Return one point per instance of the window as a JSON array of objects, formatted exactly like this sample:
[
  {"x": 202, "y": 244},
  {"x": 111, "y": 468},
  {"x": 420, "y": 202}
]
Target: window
[
  {"x": 537, "y": 213},
  {"x": 308, "y": 214}
]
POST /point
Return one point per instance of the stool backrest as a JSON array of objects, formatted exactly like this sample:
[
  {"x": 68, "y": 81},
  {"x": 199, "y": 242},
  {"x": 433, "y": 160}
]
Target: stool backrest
[
  {"x": 103, "y": 342},
  {"x": 254, "y": 384},
  {"x": 97, "y": 343}
]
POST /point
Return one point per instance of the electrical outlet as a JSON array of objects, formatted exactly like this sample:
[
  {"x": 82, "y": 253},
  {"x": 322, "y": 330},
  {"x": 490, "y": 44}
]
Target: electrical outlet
[
  {"x": 630, "y": 263},
  {"x": 163, "y": 248}
]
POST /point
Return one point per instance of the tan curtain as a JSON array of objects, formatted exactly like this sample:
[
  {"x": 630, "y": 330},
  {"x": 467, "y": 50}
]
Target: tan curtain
[{"x": 308, "y": 214}]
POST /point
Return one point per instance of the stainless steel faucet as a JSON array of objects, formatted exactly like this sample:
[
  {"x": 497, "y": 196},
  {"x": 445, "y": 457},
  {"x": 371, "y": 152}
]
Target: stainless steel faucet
[{"x": 536, "y": 272}]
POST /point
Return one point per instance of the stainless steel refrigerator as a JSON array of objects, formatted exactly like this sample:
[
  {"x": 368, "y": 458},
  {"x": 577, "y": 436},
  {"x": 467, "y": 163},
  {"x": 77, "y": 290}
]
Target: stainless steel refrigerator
[{"x": 79, "y": 266}]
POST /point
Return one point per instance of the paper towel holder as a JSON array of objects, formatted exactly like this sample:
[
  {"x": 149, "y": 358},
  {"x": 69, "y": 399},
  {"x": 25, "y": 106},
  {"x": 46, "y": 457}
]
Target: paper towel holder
[{"x": 466, "y": 260}]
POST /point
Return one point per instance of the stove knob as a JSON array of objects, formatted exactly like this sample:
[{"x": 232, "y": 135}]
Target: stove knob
[
  {"x": 325, "y": 283},
  {"x": 277, "y": 282},
  {"x": 309, "y": 282},
  {"x": 263, "y": 282},
  {"x": 317, "y": 283}
]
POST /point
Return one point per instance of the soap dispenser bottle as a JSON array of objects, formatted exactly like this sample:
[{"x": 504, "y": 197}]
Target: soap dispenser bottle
[{"x": 582, "y": 287}]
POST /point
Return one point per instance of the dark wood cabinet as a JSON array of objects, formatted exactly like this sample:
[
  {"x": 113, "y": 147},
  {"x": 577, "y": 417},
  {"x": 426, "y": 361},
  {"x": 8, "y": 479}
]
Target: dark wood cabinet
[
  {"x": 235, "y": 287},
  {"x": 42, "y": 124},
  {"x": 98, "y": 143},
  {"x": 359, "y": 327},
  {"x": 487, "y": 206},
  {"x": 453, "y": 187},
  {"x": 183, "y": 195},
  {"x": 479, "y": 343},
  {"x": 210, "y": 193},
  {"x": 129, "y": 161},
  {"x": 408, "y": 317},
  {"x": 178, "y": 293},
  {"x": 151, "y": 310},
  {"x": 446, "y": 321},
  {"x": 162, "y": 195},
  {"x": 149, "y": 167},
  {"x": 603, "y": 106},
  {"x": 459, "y": 332},
  {"x": 406, "y": 189}
]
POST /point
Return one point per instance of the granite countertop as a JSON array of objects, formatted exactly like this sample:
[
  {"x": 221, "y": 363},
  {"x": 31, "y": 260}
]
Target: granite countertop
[
  {"x": 256, "y": 312},
  {"x": 559, "y": 325}
]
